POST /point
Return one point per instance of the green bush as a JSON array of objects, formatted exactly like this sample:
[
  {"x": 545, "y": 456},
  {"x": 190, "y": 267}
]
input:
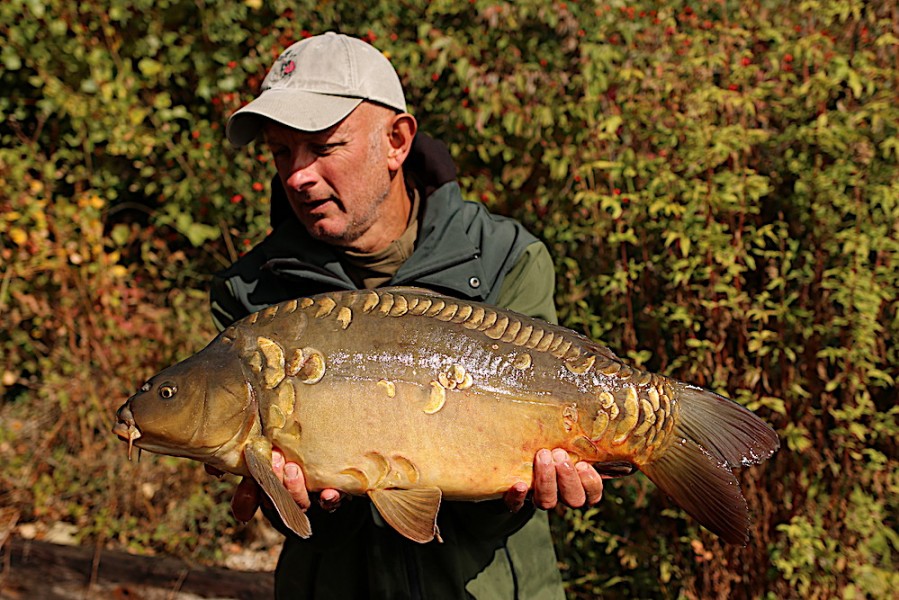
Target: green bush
[{"x": 717, "y": 182}]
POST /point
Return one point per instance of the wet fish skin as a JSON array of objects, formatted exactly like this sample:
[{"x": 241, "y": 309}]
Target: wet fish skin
[{"x": 409, "y": 397}]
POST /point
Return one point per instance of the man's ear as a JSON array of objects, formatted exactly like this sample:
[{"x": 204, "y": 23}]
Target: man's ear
[{"x": 402, "y": 131}]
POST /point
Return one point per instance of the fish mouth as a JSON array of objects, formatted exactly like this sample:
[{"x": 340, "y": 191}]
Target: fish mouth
[{"x": 126, "y": 429}]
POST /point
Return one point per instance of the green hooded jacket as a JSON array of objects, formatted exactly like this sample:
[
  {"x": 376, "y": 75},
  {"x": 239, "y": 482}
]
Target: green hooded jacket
[{"x": 464, "y": 251}]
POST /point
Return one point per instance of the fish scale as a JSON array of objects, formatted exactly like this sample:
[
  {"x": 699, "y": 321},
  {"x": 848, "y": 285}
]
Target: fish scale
[
  {"x": 631, "y": 420},
  {"x": 409, "y": 397}
]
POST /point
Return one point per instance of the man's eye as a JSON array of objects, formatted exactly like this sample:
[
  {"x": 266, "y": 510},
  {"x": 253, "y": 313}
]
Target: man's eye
[{"x": 324, "y": 149}]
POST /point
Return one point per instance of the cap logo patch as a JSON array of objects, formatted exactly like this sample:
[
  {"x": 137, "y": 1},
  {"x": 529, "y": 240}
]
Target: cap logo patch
[{"x": 283, "y": 69}]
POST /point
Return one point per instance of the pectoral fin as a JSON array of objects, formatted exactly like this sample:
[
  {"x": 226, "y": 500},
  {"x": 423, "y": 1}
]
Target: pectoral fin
[
  {"x": 413, "y": 513},
  {"x": 258, "y": 456}
]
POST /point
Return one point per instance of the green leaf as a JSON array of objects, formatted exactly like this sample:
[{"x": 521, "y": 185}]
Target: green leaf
[{"x": 149, "y": 67}]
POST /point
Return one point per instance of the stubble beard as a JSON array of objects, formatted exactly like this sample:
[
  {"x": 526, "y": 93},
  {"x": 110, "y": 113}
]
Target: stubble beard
[{"x": 355, "y": 226}]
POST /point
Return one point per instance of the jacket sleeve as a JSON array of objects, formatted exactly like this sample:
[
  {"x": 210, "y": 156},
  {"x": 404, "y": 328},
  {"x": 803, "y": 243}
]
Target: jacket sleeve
[
  {"x": 529, "y": 287},
  {"x": 225, "y": 307}
]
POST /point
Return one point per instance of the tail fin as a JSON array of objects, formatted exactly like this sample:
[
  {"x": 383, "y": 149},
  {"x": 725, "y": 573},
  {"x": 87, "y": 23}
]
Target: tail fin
[{"x": 713, "y": 436}]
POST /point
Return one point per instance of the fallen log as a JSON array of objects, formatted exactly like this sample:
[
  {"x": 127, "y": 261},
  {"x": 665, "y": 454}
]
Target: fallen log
[{"x": 36, "y": 569}]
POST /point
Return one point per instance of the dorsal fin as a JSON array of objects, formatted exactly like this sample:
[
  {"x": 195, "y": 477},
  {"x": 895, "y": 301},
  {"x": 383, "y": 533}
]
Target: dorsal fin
[{"x": 409, "y": 289}]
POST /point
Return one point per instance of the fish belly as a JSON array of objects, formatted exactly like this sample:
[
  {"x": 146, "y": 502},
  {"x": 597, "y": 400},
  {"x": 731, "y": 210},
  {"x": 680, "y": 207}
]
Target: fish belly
[{"x": 367, "y": 435}]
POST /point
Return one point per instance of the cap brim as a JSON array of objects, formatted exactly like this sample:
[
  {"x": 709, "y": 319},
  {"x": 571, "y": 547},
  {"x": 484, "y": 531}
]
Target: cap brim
[{"x": 301, "y": 110}]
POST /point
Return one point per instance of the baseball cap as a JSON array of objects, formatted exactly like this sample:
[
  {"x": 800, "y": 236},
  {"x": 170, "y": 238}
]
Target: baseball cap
[{"x": 316, "y": 83}]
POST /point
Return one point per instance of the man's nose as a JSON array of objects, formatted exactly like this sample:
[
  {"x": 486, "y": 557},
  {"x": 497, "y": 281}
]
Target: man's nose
[{"x": 303, "y": 172}]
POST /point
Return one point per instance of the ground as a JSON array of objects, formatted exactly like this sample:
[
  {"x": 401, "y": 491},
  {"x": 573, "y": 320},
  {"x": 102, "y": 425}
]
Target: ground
[
  {"x": 50, "y": 566},
  {"x": 33, "y": 569}
]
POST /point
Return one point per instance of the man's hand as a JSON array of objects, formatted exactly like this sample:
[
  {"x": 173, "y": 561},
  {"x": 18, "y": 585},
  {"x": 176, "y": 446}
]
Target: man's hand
[
  {"x": 248, "y": 494},
  {"x": 292, "y": 477},
  {"x": 557, "y": 480}
]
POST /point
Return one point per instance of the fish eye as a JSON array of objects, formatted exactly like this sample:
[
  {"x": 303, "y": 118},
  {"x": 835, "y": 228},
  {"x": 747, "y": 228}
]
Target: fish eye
[{"x": 167, "y": 391}]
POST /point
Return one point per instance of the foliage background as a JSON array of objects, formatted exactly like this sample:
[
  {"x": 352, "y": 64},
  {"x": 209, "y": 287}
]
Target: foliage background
[{"x": 717, "y": 181}]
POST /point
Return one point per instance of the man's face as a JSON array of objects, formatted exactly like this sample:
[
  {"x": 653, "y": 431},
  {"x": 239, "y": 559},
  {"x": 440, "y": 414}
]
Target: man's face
[{"x": 336, "y": 180}]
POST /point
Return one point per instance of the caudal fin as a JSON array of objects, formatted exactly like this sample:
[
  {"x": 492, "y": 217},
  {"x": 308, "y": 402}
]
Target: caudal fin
[{"x": 713, "y": 436}]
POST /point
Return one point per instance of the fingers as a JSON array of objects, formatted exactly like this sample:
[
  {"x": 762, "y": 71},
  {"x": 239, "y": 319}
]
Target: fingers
[
  {"x": 245, "y": 500},
  {"x": 292, "y": 477},
  {"x": 556, "y": 480},
  {"x": 571, "y": 490},
  {"x": 546, "y": 492},
  {"x": 516, "y": 495},
  {"x": 329, "y": 499},
  {"x": 591, "y": 482},
  {"x": 248, "y": 495}
]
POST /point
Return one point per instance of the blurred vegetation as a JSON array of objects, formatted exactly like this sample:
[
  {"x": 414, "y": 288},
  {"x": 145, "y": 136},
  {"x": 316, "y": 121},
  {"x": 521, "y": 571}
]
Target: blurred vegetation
[{"x": 717, "y": 181}]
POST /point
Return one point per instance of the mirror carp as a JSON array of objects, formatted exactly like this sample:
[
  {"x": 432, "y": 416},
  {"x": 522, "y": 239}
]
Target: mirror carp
[{"x": 408, "y": 397}]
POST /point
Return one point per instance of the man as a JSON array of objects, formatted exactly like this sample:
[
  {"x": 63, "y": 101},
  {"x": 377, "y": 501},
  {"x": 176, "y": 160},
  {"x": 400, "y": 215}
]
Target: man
[{"x": 361, "y": 201}]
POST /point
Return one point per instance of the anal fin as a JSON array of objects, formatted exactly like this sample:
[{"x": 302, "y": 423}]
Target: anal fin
[
  {"x": 258, "y": 456},
  {"x": 412, "y": 512}
]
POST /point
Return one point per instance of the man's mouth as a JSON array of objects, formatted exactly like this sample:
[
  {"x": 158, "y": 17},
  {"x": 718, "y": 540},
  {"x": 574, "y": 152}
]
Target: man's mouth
[{"x": 312, "y": 206}]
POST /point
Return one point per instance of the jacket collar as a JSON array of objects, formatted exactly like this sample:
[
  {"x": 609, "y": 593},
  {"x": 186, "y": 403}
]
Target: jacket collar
[{"x": 445, "y": 256}]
